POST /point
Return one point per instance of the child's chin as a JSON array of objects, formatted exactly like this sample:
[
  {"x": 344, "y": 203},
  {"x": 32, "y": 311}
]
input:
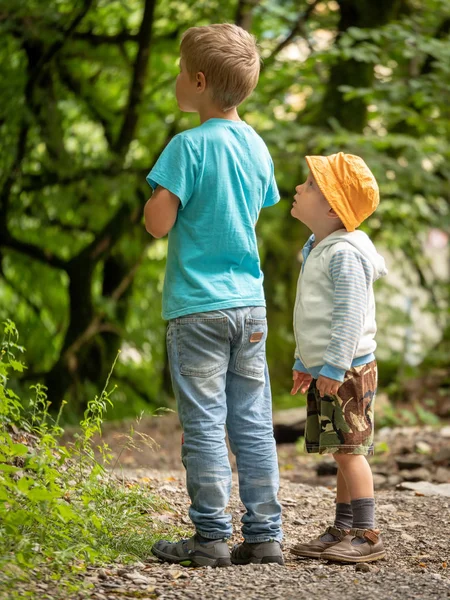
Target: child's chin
[
  {"x": 294, "y": 215},
  {"x": 185, "y": 108}
]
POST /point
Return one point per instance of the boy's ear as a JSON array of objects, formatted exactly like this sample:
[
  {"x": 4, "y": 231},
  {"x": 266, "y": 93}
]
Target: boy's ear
[
  {"x": 200, "y": 82},
  {"x": 332, "y": 214}
]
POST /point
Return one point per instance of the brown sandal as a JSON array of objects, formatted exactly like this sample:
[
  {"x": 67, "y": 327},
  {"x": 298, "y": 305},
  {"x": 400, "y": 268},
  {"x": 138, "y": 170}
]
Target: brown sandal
[
  {"x": 316, "y": 547},
  {"x": 371, "y": 549}
]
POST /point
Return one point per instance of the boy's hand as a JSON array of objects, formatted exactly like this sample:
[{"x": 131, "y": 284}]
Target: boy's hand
[
  {"x": 327, "y": 386},
  {"x": 302, "y": 382}
]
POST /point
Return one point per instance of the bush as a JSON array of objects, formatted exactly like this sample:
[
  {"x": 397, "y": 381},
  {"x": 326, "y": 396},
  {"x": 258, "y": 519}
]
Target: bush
[{"x": 60, "y": 507}]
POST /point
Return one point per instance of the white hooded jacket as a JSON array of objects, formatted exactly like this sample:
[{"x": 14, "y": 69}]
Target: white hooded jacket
[{"x": 334, "y": 314}]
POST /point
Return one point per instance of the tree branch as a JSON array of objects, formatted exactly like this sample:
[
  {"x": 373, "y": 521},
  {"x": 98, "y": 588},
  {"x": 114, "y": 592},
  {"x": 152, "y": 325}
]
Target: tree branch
[
  {"x": 98, "y": 39},
  {"x": 96, "y": 325},
  {"x": 44, "y": 256},
  {"x": 415, "y": 262},
  {"x": 33, "y": 183},
  {"x": 9, "y": 180},
  {"x": 105, "y": 239},
  {"x": 5, "y": 238},
  {"x": 128, "y": 279},
  {"x": 138, "y": 81},
  {"x": 34, "y": 307},
  {"x": 76, "y": 87},
  {"x": 44, "y": 221},
  {"x": 298, "y": 28},
  {"x": 56, "y": 47},
  {"x": 442, "y": 32},
  {"x": 131, "y": 384},
  {"x": 243, "y": 16}
]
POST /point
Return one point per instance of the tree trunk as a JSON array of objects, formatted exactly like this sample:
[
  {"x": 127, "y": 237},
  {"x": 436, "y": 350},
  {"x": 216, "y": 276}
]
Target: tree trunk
[{"x": 352, "y": 114}]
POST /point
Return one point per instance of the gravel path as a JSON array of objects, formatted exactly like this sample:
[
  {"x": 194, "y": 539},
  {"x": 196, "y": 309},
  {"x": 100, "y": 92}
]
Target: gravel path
[{"x": 415, "y": 530}]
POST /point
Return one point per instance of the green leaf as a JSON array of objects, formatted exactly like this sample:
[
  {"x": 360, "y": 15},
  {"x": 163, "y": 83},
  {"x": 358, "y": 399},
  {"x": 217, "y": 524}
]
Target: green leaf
[
  {"x": 17, "y": 365},
  {"x": 20, "y": 449},
  {"x": 9, "y": 468},
  {"x": 96, "y": 521},
  {"x": 40, "y": 494}
]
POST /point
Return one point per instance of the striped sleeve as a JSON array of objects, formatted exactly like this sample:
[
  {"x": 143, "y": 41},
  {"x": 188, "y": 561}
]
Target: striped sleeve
[{"x": 351, "y": 274}]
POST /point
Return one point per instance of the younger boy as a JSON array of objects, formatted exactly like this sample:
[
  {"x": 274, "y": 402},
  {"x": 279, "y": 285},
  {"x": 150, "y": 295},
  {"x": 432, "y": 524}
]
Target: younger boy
[
  {"x": 210, "y": 184},
  {"x": 334, "y": 325}
]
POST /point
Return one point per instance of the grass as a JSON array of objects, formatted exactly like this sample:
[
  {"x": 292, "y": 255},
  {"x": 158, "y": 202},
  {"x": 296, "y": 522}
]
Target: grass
[{"x": 62, "y": 508}]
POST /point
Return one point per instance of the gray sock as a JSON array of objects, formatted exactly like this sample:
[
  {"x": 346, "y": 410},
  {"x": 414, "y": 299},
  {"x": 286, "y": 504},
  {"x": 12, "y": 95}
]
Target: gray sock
[
  {"x": 363, "y": 515},
  {"x": 342, "y": 520},
  {"x": 344, "y": 516}
]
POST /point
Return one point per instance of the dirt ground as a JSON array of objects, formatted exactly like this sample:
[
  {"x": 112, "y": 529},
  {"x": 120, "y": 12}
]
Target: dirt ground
[
  {"x": 415, "y": 524},
  {"x": 401, "y": 453}
]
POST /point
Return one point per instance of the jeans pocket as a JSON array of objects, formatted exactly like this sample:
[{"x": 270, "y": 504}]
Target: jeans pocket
[
  {"x": 203, "y": 347},
  {"x": 251, "y": 356}
]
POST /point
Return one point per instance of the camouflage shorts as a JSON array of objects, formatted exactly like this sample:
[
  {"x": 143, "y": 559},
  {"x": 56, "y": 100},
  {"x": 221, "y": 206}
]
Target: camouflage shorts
[{"x": 343, "y": 423}]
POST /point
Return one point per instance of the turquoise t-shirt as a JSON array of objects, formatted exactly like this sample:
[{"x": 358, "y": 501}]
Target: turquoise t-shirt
[{"x": 222, "y": 173}]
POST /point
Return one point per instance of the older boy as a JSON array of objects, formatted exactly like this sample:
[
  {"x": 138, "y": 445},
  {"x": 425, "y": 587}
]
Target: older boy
[
  {"x": 334, "y": 324},
  {"x": 210, "y": 184}
]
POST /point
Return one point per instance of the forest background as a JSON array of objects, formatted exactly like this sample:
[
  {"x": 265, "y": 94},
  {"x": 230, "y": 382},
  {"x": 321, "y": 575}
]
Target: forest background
[{"x": 86, "y": 106}]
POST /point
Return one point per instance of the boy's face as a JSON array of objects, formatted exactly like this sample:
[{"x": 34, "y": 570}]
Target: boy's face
[
  {"x": 186, "y": 90},
  {"x": 310, "y": 206}
]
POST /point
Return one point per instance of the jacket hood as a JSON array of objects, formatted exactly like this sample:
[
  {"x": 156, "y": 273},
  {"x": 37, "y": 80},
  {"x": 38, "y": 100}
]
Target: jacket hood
[{"x": 363, "y": 244}]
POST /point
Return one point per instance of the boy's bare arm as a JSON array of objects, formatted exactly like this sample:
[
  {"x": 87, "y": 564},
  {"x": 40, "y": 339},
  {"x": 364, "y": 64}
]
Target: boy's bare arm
[{"x": 160, "y": 212}]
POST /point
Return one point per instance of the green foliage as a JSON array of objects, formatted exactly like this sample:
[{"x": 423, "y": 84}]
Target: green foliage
[
  {"x": 286, "y": 401},
  {"x": 381, "y": 448},
  {"x": 300, "y": 446},
  {"x": 86, "y": 111},
  {"x": 60, "y": 507},
  {"x": 395, "y": 416}
]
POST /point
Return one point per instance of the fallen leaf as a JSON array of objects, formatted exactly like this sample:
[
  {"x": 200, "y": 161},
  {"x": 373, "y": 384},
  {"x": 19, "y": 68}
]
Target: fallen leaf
[{"x": 176, "y": 574}]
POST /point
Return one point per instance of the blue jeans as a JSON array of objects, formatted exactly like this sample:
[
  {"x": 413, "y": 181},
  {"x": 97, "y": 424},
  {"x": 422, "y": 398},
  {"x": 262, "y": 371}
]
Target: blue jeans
[{"x": 220, "y": 379}]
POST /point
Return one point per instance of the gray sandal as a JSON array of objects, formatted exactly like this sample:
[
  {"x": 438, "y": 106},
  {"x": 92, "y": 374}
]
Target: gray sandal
[{"x": 193, "y": 552}]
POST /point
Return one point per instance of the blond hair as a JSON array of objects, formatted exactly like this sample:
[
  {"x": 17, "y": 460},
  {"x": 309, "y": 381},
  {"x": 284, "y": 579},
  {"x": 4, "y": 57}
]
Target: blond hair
[{"x": 228, "y": 57}]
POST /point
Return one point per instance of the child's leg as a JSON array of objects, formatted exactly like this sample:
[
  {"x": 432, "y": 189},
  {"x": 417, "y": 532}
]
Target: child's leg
[
  {"x": 348, "y": 432},
  {"x": 250, "y": 432},
  {"x": 250, "y": 427},
  {"x": 343, "y": 510},
  {"x": 363, "y": 544},
  {"x": 314, "y": 426},
  {"x": 343, "y": 518},
  {"x": 342, "y": 494},
  {"x": 357, "y": 474},
  {"x": 198, "y": 349},
  {"x": 344, "y": 515}
]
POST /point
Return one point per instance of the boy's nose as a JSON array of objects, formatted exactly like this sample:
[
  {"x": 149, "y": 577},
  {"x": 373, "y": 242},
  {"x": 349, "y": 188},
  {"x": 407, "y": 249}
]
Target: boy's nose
[{"x": 298, "y": 188}]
